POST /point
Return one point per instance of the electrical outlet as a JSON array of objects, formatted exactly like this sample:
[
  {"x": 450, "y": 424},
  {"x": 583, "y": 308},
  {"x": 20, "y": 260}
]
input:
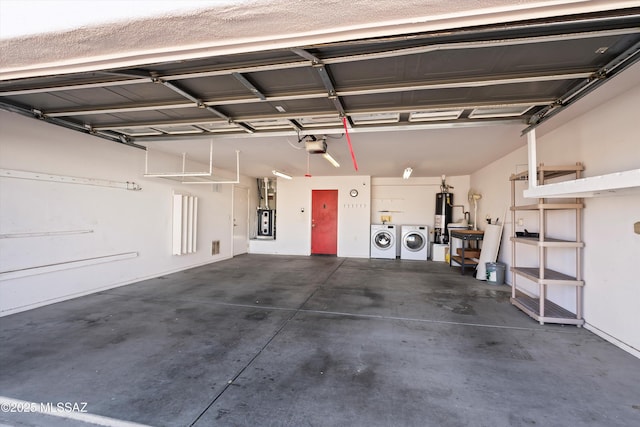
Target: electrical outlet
[{"x": 520, "y": 222}]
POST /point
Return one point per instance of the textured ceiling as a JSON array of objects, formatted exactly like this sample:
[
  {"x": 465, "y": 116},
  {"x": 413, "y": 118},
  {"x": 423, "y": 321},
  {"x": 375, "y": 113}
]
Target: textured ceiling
[{"x": 250, "y": 23}]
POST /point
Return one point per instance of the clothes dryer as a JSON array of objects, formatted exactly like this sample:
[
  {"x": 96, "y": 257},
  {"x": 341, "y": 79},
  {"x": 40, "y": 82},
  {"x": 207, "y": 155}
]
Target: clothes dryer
[
  {"x": 414, "y": 242},
  {"x": 384, "y": 241}
]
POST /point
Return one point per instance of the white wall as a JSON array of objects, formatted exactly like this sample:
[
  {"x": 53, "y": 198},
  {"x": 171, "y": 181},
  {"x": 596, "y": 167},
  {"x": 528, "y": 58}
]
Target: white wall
[
  {"x": 606, "y": 139},
  {"x": 412, "y": 201},
  {"x": 121, "y": 221},
  {"x": 293, "y": 216}
]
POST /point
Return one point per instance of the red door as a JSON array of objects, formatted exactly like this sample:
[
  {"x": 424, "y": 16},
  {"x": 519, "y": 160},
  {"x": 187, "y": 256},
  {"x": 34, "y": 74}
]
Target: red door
[{"x": 324, "y": 222}]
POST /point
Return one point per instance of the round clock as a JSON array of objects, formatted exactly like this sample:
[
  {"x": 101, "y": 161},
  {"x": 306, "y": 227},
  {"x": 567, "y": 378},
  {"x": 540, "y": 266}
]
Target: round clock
[{"x": 353, "y": 193}]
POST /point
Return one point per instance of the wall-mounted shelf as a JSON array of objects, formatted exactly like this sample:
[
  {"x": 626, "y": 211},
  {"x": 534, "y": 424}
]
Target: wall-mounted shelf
[
  {"x": 63, "y": 179},
  {"x": 613, "y": 184}
]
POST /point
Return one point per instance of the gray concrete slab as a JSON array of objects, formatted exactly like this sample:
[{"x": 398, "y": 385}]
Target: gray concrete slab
[
  {"x": 413, "y": 289},
  {"x": 283, "y": 282},
  {"x": 149, "y": 362},
  {"x": 326, "y": 370},
  {"x": 288, "y": 341}
]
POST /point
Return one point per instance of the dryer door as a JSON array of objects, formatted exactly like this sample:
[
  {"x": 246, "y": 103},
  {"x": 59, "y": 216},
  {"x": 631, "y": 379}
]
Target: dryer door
[
  {"x": 383, "y": 239},
  {"x": 414, "y": 241}
]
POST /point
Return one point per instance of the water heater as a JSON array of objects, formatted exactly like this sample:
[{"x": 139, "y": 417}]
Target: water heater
[{"x": 443, "y": 216}]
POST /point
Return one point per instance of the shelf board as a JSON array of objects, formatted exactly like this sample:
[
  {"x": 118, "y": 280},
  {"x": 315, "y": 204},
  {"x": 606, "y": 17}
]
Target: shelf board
[
  {"x": 551, "y": 277},
  {"x": 548, "y": 242},
  {"x": 550, "y": 172},
  {"x": 467, "y": 261},
  {"x": 553, "y": 312},
  {"x": 468, "y": 253},
  {"x": 547, "y": 206}
]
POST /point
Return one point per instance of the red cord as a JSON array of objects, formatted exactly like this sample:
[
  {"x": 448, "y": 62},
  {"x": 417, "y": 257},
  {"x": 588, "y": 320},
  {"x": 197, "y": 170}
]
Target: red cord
[{"x": 346, "y": 130}]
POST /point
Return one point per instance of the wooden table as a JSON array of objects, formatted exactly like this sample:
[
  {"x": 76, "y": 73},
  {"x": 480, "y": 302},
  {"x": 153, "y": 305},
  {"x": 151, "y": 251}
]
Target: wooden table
[{"x": 465, "y": 236}]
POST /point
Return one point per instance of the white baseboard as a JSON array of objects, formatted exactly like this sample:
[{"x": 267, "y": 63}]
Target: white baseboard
[{"x": 613, "y": 340}]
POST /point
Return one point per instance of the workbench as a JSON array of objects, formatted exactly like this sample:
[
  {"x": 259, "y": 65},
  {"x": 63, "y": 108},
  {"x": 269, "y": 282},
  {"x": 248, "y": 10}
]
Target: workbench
[{"x": 467, "y": 236}]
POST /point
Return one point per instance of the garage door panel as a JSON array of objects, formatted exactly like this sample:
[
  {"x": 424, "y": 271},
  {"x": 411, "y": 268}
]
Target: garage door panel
[{"x": 95, "y": 98}]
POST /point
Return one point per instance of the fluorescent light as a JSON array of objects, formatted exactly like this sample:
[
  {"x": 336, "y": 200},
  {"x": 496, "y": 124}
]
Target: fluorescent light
[
  {"x": 331, "y": 160},
  {"x": 407, "y": 173},
  {"x": 281, "y": 174}
]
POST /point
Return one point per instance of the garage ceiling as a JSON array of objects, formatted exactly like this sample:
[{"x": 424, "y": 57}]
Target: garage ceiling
[{"x": 493, "y": 80}]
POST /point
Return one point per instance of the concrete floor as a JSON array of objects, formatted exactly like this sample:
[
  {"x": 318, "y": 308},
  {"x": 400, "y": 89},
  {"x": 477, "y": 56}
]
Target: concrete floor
[{"x": 311, "y": 341}]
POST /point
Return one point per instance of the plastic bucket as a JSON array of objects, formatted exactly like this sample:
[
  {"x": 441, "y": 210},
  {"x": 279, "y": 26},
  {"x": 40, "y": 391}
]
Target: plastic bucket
[{"x": 495, "y": 272}]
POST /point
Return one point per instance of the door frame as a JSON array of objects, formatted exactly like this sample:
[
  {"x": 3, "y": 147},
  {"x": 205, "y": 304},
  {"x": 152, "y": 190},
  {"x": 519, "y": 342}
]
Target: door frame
[{"x": 236, "y": 190}]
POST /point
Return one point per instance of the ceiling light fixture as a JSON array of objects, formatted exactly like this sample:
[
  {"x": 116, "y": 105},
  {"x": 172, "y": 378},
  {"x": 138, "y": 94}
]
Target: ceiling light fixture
[
  {"x": 407, "y": 173},
  {"x": 281, "y": 174},
  {"x": 331, "y": 160}
]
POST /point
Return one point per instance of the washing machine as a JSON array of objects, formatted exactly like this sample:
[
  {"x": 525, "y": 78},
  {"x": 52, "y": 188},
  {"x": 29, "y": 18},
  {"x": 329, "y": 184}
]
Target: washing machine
[
  {"x": 384, "y": 241},
  {"x": 414, "y": 242}
]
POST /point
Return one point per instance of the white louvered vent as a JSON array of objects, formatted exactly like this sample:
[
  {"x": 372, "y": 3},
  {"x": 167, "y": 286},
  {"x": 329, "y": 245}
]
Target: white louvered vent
[{"x": 185, "y": 224}]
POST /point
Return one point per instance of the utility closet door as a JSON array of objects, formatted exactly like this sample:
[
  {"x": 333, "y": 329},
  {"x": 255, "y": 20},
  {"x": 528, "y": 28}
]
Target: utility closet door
[
  {"x": 240, "y": 220},
  {"x": 324, "y": 222}
]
